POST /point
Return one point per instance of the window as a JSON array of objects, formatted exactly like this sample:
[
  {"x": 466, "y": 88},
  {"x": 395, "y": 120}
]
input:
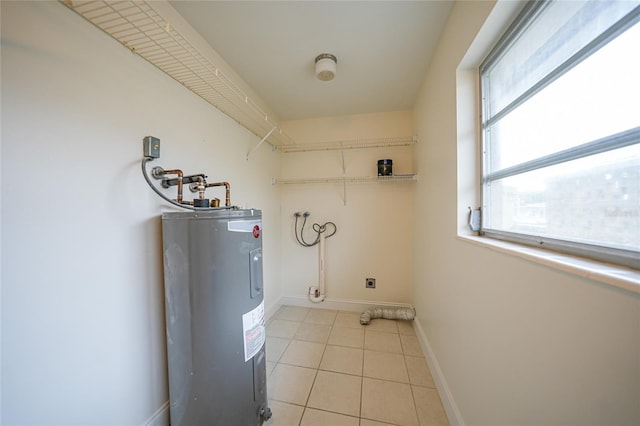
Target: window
[{"x": 561, "y": 130}]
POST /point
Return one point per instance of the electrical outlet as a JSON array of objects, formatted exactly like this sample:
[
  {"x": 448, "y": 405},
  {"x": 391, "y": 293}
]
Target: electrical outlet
[{"x": 370, "y": 282}]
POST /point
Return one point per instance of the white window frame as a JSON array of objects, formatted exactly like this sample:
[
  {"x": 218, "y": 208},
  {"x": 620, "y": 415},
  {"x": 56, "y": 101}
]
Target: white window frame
[{"x": 616, "y": 141}]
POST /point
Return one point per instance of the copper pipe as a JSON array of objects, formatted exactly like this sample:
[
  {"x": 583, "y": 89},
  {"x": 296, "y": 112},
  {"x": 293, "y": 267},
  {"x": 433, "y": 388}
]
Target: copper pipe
[
  {"x": 179, "y": 173},
  {"x": 227, "y": 186},
  {"x": 201, "y": 188}
]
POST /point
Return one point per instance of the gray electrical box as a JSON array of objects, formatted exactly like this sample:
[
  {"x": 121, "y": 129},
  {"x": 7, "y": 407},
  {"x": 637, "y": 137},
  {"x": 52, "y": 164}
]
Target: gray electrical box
[
  {"x": 215, "y": 317},
  {"x": 151, "y": 147}
]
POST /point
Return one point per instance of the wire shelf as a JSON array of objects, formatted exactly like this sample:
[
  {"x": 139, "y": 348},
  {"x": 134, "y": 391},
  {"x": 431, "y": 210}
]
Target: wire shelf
[
  {"x": 347, "y": 179},
  {"x": 144, "y": 31},
  {"x": 350, "y": 144}
]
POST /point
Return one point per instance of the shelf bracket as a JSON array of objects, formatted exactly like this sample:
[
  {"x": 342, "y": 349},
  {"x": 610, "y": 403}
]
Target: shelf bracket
[
  {"x": 261, "y": 142},
  {"x": 344, "y": 192},
  {"x": 344, "y": 171}
]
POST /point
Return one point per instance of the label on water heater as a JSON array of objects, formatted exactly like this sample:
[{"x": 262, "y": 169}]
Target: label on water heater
[
  {"x": 244, "y": 225},
  {"x": 253, "y": 331}
]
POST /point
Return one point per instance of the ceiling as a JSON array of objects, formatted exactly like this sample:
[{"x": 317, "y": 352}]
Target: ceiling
[{"x": 383, "y": 50}]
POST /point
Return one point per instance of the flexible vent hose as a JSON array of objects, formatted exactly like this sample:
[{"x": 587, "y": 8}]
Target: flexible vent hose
[{"x": 387, "y": 313}]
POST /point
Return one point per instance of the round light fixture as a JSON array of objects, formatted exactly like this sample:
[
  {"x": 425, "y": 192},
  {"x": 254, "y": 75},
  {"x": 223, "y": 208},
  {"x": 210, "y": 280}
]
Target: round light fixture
[{"x": 326, "y": 66}]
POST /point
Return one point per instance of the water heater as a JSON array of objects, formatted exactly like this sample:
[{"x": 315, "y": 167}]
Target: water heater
[{"x": 215, "y": 317}]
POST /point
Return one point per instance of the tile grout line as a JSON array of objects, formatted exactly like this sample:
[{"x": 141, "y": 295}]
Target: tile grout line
[
  {"x": 362, "y": 376},
  {"x": 413, "y": 397},
  {"x": 315, "y": 377},
  {"x": 362, "y": 380}
]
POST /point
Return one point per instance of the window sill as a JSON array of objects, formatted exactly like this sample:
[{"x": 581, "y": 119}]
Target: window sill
[{"x": 617, "y": 276}]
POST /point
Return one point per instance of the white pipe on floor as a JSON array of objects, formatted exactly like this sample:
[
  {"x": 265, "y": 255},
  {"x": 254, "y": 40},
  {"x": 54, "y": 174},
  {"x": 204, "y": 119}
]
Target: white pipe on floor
[{"x": 316, "y": 294}]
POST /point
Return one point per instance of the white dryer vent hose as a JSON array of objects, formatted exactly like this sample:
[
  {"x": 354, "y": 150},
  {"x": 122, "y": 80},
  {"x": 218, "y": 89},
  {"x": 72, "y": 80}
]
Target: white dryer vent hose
[{"x": 387, "y": 313}]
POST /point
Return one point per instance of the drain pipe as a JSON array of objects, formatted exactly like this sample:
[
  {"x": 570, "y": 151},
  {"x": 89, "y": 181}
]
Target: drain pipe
[{"x": 316, "y": 294}]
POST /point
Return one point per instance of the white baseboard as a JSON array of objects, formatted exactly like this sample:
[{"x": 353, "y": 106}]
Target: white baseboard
[
  {"x": 449, "y": 404},
  {"x": 330, "y": 303},
  {"x": 270, "y": 310},
  {"x": 160, "y": 417}
]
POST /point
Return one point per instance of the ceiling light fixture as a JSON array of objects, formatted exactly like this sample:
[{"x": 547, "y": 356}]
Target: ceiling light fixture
[{"x": 326, "y": 66}]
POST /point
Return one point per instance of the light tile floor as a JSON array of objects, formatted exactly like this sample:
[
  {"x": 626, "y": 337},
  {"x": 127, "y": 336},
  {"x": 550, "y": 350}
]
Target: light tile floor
[{"x": 325, "y": 369}]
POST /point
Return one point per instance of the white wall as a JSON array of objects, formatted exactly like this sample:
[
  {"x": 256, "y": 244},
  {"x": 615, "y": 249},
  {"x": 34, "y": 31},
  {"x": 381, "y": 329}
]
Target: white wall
[
  {"x": 82, "y": 297},
  {"x": 82, "y": 305},
  {"x": 516, "y": 342},
  {"x": 374, "y": 224}
]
